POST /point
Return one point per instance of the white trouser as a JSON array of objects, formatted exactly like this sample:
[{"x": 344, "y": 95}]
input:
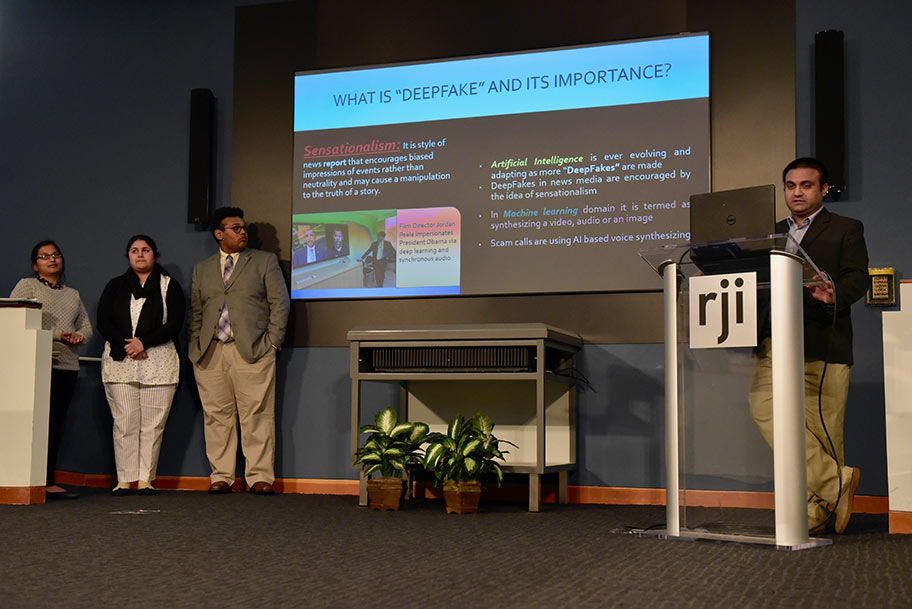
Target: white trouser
[{"x": 139, "y": 412}]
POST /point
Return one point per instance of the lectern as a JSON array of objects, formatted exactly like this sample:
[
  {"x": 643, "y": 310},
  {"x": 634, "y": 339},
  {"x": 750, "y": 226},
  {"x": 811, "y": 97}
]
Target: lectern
[
  {"x": 25, "y": 382},
  {"x": 781, "y": 269}
]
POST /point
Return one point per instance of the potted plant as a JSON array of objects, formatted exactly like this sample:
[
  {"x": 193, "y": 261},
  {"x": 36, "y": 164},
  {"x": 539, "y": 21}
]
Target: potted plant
[
  {"x": 460, "y": 457},
  {"x": 388, "y": 450}
]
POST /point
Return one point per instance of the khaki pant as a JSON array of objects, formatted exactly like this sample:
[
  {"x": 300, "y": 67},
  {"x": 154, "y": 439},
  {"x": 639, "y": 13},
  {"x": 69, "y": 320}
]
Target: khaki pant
[
  {"x": 234, "y": 391},
  {"x": 823, "y": 461}
]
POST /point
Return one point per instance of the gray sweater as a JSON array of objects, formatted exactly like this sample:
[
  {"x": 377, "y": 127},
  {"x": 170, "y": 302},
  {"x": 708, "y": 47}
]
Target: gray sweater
[{"x": 61, "y": 311}]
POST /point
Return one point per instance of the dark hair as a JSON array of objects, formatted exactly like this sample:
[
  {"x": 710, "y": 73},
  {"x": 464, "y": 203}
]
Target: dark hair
[
  {"x": 145, "y": 238},
  {"x": 807, "y": 162},
  {"x": 39, "y": 245},
  {"x": 224, "y": 212}
]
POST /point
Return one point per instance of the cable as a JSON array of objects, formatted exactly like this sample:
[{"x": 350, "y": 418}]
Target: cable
[
  {"x": 826, "y": 361},
  {"x": 632, "y": 530},
  {"x": 579, "y": 379}
]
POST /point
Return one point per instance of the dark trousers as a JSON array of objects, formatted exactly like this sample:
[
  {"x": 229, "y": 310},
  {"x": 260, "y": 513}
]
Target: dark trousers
[
  {"x": 63, "y": 382},
  {"x": 379, "y": 271}
]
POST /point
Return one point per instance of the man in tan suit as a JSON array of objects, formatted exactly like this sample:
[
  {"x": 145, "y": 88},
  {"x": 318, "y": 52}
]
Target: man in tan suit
[{"x": 238, "y": 313}]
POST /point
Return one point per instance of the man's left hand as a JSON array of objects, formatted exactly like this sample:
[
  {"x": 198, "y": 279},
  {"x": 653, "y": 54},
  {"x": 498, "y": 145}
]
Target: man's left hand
[{"x": 825, "y": 292}]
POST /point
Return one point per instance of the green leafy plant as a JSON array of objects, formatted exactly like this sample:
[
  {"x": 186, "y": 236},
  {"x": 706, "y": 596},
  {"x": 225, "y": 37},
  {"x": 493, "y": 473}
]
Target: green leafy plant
[
  {"x": 467, "y": 451},
  {"x": 391, "y": 446}
]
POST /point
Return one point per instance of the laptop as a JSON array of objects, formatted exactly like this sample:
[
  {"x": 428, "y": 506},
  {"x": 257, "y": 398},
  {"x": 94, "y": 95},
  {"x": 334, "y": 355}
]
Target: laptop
[{"x": 717, "y": 218}]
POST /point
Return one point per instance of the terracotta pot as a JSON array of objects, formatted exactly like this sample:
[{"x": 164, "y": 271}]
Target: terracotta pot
[
  {"x": 385, "y": 493},
  {"x": 461, "y": 496}
]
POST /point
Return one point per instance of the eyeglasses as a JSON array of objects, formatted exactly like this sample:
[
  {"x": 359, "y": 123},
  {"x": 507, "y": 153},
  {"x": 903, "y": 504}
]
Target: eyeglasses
[
  {"x": 237, "y": 228},
  {"x": 53, "y": 256}
]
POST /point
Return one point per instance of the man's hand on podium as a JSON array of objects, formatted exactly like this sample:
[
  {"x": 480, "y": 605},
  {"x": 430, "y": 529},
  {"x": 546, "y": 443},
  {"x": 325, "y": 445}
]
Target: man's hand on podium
[{"x": 824, "y": 293}]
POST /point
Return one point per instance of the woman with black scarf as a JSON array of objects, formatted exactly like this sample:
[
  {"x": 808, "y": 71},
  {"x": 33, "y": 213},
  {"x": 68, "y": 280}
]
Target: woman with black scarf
[{"x": 140, "y": 314}]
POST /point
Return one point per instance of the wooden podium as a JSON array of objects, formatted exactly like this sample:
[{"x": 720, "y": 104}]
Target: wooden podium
[{"x": 25, "y": 378}]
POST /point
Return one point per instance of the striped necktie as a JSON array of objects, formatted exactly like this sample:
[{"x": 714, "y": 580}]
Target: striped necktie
[{"x": 223, "y": 332}]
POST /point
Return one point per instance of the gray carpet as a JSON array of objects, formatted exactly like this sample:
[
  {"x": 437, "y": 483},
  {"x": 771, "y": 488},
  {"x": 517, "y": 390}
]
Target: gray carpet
[{"x": 189, "y": 549}]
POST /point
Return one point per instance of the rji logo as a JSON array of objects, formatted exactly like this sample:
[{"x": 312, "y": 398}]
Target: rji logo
[{"x": 723, "y": 311}]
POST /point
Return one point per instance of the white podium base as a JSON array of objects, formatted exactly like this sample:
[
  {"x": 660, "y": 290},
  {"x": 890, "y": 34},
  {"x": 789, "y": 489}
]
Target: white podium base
[{"x": 751, "y": 540}]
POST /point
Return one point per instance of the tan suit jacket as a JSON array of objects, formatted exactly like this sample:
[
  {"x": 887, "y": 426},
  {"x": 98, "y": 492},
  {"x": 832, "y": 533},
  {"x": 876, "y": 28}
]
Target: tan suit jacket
[{"x": 257, "y": 304}]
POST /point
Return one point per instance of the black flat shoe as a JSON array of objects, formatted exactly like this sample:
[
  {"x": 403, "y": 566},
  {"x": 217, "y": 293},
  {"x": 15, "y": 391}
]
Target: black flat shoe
[
  {"x": 120, "y": 492},
  {"x": 146, "y": 491},
  {"x": 60, "y": 495}
]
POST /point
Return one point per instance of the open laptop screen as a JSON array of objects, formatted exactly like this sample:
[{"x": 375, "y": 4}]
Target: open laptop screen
[
  {"x": 718, "y": 218},
  {"x": 730, "y": 214}
]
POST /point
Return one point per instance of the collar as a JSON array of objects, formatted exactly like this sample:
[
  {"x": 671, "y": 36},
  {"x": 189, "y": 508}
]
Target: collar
[
  {"x": 793, "y": 225},
  {"x": 223, "y": 256}
]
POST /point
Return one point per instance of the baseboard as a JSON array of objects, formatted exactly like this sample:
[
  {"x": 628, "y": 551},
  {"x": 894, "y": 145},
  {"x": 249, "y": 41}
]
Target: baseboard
[
  {"x": 21, "y": 495},
  {"x": 88, "y": 480},
  {"x": 317, "y": 487},
  {"x": 604, "y": 495},
  {"x": 613, "y": 495},
  {"x": 868, "y": 504},
  {"x": 616, "y": 495},
  {"x": 900, "y": 522},
  {"x": 199, "y": 483}
]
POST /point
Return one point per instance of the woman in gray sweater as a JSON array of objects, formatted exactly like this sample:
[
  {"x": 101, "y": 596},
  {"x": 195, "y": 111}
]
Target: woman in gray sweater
[{"x": 63, "y": 313}]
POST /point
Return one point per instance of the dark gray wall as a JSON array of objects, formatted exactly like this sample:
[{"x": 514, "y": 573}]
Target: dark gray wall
[
  {"x": 752, "y": 62},
  {"x": 94, "y": 117},
  {"x": 878, "y": 132},
  {"x": 752, "y": 87}
]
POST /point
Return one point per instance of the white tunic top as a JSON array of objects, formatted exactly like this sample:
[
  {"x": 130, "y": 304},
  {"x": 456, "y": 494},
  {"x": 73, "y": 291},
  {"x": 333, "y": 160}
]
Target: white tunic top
[{"x": 162, "y": 367}]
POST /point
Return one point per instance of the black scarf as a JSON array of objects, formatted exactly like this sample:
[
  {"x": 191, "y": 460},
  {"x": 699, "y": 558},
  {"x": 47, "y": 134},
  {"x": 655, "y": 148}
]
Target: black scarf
[
  {"x": 53, "y": 286},
  {"x": 152, "y": 313}
]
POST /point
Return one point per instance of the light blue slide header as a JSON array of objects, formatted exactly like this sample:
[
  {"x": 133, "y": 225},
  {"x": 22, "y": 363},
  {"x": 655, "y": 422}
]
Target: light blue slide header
[{"x": 616, "y": 74}]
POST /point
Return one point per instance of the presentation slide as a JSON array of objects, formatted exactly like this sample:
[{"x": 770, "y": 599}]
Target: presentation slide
[{"x": 536, "y": 172}]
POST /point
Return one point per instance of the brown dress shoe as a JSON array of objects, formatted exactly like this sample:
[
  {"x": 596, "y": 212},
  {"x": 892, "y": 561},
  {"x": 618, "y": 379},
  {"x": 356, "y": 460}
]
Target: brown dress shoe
[
  {"x": 219, "y": 488},
  {"x": 262, "y": 488},
  {"x": 844, "y": 507}
]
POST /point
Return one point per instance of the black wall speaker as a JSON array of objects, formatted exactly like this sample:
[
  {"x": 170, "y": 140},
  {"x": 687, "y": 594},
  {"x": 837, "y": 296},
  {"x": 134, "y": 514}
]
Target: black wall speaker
[
  {"x": 829, "y": 106},
  {"x": 201, "y": 188}
]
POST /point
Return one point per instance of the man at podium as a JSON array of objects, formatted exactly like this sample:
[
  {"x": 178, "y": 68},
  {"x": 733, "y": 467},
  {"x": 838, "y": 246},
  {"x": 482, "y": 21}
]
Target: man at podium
[{"x": 836, "y": 245}]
